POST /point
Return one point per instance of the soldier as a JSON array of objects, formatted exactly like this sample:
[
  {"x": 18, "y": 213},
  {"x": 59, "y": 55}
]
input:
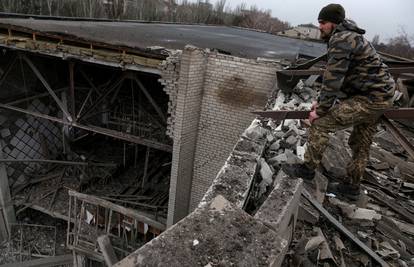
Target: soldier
[{"x": 356, "y": 89}]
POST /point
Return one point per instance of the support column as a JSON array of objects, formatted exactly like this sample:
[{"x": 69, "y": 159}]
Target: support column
[
  {"x": 7, "y": 215},
  {"x": 187, "y": 116}
]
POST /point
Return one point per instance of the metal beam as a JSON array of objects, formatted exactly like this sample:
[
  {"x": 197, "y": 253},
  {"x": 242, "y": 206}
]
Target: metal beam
[
  {"x": 6, "y": 203},
  {"x": 294, "y": 72},
  {"x": 64, "y": 260},
  {"x": 84, "y": 103},
  {"x": 72, "y": 87},
  {"x": 144, "y": 176},
  {"x": 47, "y": 86},
  {"x": 102, "y": 97},
  {"x": 88, "y": 80},
  {"x": 34, "y": 97},
  {"x": 150, "y": 99},
  {"x": 7, "y": 70},
  {"x": 342, "y": 229},
  {"x": 399, "y": 137},
  {"x": 393, "y": 114},
  {"x": 62, "y": 162},
  {"x": 93, "y": 88},
  {"x": 117, "y": 208},
  {"x": 96, "y": 129}
]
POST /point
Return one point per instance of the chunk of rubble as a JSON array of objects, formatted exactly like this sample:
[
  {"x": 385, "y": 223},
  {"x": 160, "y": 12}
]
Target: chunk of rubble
[
  {"x": 353, "y": 212},
  {"x": 275, "y": 146},
  {"x": 265, "y": 172},
  {"x": 291, "y": 158},
  {"x": 235, "y": 178},
  {"x": 255, "y": 131},
  {"x": 280, "y": 209},
  {"x": 218, "y": 227},
  {"x": 292, "y": 140}
]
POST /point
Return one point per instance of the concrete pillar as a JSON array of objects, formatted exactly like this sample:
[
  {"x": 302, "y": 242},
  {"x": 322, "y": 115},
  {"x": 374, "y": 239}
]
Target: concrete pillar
[
  {"x": 187, "y": 115},
  {"x": 7, "y": 215}
]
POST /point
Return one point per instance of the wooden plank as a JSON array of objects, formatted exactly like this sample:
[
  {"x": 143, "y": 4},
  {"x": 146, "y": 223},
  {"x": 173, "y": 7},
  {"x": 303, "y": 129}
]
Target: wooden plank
[{"x": 45, "y": 262}]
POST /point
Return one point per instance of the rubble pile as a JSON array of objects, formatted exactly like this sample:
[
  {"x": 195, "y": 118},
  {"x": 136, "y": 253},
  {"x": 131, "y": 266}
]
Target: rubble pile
[{"x": 383, "y": 217}]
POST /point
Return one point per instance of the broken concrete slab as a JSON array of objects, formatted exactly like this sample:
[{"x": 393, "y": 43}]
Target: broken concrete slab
[
  {"x": 279, "y": 211},
  {"x": 217, "y": 234},
  {"x": 291, "y": 158},
  {"x": 245, "y": 145},
  {"x": 233, "y": 182},
  {"x": 236, "y": 176},
  {"x": 279, "y": 159}
]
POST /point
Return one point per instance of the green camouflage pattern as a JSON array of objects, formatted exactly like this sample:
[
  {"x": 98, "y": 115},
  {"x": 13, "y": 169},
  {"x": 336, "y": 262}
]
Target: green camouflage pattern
[
  {"x": 359, "y": 112},
  {"x": 353, "y": 68}
]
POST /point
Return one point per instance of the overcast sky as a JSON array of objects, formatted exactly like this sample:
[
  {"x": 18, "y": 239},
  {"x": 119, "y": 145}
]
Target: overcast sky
[{"x": 383, "y": 17}]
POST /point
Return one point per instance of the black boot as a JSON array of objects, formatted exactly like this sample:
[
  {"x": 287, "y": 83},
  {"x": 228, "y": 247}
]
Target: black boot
[
  {"x": 299, "y": 170},
  {"x": 350, "y": 191}
]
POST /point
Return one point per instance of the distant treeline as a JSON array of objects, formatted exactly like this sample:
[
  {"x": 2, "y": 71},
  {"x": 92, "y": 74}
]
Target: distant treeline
[
  {"x": 400, "y": 45},
  {"x": 182, "y": 11}
]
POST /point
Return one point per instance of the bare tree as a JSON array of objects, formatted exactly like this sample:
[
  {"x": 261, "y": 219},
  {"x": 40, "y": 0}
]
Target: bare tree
[
  {"x": 116, "y": 9},
  {"x": 201, "y": 11}
]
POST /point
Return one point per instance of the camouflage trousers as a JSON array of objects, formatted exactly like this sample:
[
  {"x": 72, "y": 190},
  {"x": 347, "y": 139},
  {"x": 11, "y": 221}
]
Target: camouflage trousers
[{"x": 363, "y": 115}]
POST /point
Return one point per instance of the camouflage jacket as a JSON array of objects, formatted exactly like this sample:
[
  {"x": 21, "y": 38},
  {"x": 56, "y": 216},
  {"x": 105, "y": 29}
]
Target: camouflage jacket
[{"x": 353, "y": 68}]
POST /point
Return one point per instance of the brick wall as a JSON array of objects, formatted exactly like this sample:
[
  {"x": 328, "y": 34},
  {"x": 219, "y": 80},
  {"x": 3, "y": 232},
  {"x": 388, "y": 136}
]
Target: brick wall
[
  {"x": 214, "y": 98},
  {"x": 233, "y": 87},
  {"x": 187, "y": 114}
]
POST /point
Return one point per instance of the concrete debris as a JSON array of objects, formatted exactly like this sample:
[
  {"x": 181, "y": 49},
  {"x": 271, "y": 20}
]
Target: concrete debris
[
  {"x": 247, "y": 241},
  {"x": 387, "y": 251},
  {"x": 279, "y": 159},
  {"x": 275, "y": 146},
  {"x": 280, "y": 209},
  {"x": 266, "y": 172},
  {"x": 255, "y": 131},
  {"x": 291, "y": 140},
  {"x": 314, "y": 243},
  {"x": 300, "y": 152},
  {"x": 325, "y": 254},
  {"x": 387, "y": 172},
  {"x": 291, "y": 158}
]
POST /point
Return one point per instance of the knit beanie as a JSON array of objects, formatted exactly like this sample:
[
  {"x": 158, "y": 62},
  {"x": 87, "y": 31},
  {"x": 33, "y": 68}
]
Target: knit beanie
[{"x": 333, "y": 13}]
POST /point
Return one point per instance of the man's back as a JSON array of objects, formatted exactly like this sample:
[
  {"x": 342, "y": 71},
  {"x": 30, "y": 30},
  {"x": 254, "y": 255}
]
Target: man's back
[{"x": 360, "y": 68}]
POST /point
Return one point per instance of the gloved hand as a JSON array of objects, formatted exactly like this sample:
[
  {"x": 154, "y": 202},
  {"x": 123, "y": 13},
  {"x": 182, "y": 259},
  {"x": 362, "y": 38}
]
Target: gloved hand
[{"x": 313, "y": 115}]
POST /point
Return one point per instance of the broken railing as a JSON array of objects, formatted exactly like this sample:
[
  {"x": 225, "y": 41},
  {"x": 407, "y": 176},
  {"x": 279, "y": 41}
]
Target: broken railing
[{"x": 91, "y": 217}]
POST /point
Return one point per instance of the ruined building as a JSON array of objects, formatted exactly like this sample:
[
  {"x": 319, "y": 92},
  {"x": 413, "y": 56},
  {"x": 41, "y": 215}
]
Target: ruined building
[{"x": 119, "y": 130}]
